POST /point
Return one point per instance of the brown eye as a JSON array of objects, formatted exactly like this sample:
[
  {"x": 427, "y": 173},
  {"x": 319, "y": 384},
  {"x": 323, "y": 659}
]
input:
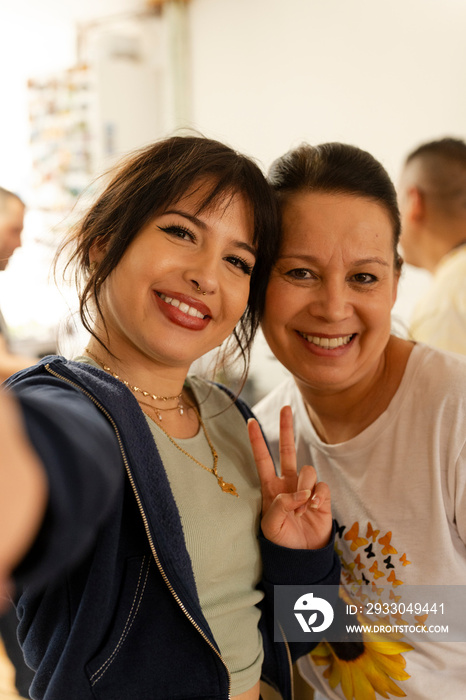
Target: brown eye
[
  {"x": 178, "y": 232},
  {"x": 364, "y": 278},
  {"x": 300, "y": 273},
  {"x": 241, "y": 264}
]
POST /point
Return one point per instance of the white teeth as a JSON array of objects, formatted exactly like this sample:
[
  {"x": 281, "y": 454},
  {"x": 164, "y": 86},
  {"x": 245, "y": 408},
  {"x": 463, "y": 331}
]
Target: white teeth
[
  {"x": 190, "y": 310},
  {"x": 328, "y": 342}
]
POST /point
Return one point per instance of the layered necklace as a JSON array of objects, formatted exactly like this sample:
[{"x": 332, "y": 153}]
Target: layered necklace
[
  {"x": 136, "y": 390},
  {"x": 224, "y": 485}
]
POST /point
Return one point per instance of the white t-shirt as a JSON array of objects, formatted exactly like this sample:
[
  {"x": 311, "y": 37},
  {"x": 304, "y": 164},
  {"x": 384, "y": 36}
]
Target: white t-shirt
[
  {"x": 399, "y": 497},
  {"x": 439, "y": 317}
]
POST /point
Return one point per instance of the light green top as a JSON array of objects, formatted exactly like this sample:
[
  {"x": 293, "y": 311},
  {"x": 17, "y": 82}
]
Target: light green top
[{"x": 220, "y": 530}]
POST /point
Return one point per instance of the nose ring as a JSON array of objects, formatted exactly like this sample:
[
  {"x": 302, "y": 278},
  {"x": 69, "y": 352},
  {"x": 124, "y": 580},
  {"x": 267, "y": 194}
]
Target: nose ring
[{"x": 199, "y": 289}]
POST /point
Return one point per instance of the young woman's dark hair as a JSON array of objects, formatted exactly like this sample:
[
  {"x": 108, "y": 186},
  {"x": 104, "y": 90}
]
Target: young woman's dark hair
[
  {"x": 149, "y": 182},
  {"x": 337, "y": 168}
]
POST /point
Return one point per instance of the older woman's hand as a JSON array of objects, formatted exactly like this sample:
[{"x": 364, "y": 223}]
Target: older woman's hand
[{"x": 296, "y": 510}]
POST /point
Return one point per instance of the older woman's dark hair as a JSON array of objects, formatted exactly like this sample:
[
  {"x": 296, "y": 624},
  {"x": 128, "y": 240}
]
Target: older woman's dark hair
[
  {"x": 146, "y": 185},
  {"x": 341, "y": 169}
]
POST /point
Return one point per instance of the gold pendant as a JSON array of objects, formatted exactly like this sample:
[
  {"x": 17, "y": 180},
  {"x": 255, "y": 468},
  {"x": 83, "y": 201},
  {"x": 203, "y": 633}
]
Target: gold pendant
[{"x": 227, "y": 488}]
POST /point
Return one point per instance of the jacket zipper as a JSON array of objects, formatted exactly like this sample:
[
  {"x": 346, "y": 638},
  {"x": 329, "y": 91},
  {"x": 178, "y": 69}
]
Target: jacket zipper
[{"x": 144, "y": 517}]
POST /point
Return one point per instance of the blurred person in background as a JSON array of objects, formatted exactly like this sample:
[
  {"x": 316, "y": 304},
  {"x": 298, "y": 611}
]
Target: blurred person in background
[
  {"x": 11, "y": 225},
  {"x": 432, "y": 198}
]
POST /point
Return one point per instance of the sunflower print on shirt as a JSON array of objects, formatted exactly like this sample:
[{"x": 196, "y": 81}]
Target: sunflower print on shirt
[{"x": 375, "y": 666}]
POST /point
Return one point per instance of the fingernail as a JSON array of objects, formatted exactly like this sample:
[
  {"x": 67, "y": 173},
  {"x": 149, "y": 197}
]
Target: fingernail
[
  {"x": 302, "y": 495},
  {"x": 315, "y": 502}
]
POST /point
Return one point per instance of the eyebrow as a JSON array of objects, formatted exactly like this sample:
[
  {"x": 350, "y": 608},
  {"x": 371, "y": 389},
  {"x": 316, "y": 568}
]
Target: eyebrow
[
  {"x": 198, "y": 222},
  {"x": 366, "y": 261},
  {"x": 190, "y": 217},
  {"x": 245, "y": 246},
  {"x": 313, "y": 259}
]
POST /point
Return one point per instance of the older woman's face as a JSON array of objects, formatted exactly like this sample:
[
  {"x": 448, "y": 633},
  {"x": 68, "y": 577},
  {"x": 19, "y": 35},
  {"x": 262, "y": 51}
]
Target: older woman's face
[{"x": 330, "y": 296}]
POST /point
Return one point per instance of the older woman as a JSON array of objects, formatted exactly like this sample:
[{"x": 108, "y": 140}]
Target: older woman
[
  {"x": 381, "y": 419},
  {"x": 130, "y": 505}
]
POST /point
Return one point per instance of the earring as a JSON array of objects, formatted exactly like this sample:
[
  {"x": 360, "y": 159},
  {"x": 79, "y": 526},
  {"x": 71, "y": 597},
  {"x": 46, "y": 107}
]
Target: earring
[{"x": 92, "y": 267}]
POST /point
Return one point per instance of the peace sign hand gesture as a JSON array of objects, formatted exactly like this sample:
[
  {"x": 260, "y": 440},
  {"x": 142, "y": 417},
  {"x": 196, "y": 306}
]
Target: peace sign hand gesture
[{"x": 296, "y": 509}]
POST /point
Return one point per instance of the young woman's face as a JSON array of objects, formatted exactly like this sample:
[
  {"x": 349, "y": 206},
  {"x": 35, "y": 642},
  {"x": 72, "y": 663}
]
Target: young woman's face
[
  {"x": 329, "y": 300},
  {"x": 151, "y": 302}
]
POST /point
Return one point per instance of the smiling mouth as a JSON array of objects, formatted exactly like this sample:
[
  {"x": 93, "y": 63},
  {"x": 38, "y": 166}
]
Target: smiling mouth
[
  {"x": 181, "y": 305},
  {"x": 328, "y": 343}
]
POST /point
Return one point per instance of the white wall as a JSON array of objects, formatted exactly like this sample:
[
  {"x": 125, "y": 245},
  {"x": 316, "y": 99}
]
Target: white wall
[{"x": 383, "y": 75}]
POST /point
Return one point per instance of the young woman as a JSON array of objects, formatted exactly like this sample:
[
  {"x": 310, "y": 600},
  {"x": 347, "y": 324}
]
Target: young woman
[
  {"x": 131, "y": 500},
  {"x": 380, "y": 418}
]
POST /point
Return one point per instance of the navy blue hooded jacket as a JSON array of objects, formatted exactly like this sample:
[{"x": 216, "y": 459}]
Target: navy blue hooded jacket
[{"x": 109, "y": 608}]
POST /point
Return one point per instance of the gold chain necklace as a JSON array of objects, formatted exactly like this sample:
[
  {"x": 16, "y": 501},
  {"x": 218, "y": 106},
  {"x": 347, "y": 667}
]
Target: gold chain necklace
[
  {"x": 224, "y": 485},
  {"x": 135, "y": 389}
]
